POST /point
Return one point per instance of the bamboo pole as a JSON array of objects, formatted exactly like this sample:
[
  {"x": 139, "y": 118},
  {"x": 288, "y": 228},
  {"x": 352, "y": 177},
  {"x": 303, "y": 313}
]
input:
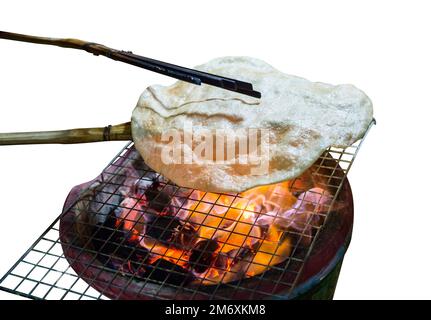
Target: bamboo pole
[
  {"x": 91, "y": 47},
  {"x": 120, "y": 132}
]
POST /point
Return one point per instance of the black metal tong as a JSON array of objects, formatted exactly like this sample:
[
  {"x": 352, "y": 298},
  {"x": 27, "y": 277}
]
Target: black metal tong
[{"x": 168, "y": 69}]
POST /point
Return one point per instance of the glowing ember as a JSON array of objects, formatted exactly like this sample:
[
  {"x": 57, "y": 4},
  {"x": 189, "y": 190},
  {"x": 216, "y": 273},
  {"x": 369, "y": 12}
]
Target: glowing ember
[{"x": 219, "y": 237}]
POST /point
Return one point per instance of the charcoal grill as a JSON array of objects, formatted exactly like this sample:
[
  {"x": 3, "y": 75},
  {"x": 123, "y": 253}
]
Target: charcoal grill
[{"x": 82, "y": 256}]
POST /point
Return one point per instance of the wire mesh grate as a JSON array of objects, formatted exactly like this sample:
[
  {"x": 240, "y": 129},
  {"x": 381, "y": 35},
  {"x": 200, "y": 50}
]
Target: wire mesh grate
[{"x": 131, "y": 234}]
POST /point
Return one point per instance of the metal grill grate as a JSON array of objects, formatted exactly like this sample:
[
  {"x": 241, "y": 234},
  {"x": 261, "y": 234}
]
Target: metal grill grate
[{"x": 88, "y": 253}]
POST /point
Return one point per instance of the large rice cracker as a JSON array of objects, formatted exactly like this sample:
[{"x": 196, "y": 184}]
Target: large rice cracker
[{"x": 302, "y": 119}]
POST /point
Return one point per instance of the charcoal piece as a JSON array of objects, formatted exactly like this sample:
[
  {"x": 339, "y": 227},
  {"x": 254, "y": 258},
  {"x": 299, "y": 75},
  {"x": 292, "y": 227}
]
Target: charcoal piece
[
  {"x": 157, "y": 199},
  {"x": 160, "y": 202},
  {"x": 203, "y": 255},
  {"x": 105, "y": 202},
  {"x": 106, "y": 236},
  {"x": 153, "y": 190},
  {"x": 111, "y": 242},
  {"x": 135, "y": 260},
  {"x": 167, "y": 272},
  {"x": 185, "y": 236},
  {"x": 162, "y": 228},
  {"x": 132, "y": 252},
  {"x": 139, "y": 165}
]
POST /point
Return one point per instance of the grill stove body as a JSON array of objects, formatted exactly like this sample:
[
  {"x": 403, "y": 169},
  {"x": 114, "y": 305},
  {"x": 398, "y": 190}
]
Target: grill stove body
[{"x": 55, "y": 267}]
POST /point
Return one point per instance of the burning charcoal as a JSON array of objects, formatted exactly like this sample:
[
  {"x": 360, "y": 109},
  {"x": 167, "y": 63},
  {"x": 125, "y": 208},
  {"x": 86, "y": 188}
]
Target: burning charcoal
[
  {"x": 139, "y": 165},
  {"x": 185, "y": 235},
  {"x": 303, "y": 214},
  {"x": 152, "y": 191},
  {"x": 106, "y": 237},
  {"x": 109, "y": 239},
  {"x": 203, "y": 255},
  {"x": 132, "y": 251},
  {"x": 242, "y": 253},
  {"x": 134, "y": 257},
  {"x": 157, "y": 199},
  {"x": 162, "y": 228},
  {"x": 167, "y": 272},
  {"x": 104, "y": 202},
  {"x": 161, "y": 201},
  {"x": 221, "y": 261}
]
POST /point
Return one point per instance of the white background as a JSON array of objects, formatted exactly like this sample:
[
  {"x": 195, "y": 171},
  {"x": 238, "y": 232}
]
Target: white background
[{"x": 383, "y": 47}]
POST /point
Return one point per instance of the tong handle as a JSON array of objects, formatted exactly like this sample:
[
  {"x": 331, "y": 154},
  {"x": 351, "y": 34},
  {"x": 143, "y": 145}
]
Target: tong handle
[{"x": 171, "y": 70}]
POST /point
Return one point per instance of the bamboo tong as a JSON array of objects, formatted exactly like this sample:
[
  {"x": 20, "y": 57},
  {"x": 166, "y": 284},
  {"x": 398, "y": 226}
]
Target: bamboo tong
[
  {"x": 168, "y": 69},
  {"x": 122, "y": 131}
]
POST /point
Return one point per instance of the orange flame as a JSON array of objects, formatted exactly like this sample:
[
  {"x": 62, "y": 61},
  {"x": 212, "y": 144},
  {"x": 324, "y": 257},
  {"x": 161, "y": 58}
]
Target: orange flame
[{"x": 249, "y": 229}]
